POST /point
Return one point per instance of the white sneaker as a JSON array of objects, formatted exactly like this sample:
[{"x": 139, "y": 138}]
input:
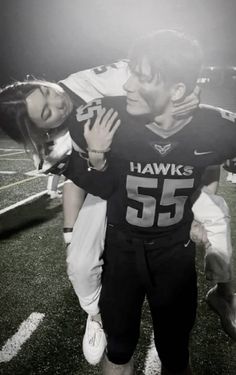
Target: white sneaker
[
  {"x": 229, "y": 177},
  {"x": 233, "y": 180},
  {"x": 94, "y": 341},
  {"x": 54, "y": 194}
]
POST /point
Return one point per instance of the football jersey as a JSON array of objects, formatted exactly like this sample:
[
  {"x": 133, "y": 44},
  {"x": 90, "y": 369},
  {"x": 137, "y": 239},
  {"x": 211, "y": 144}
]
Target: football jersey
[
  {"x": 105, "y": 80},
  {"x": 152, "y": 172},
  {"x": 82, "y": 87}
]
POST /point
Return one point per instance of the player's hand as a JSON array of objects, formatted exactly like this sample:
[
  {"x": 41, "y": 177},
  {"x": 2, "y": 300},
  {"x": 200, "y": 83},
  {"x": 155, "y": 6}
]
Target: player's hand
[
  {"x": 198, "y": 234},
  {"x": 188, "y": 105},
  {"x": 99, "y": 137}
]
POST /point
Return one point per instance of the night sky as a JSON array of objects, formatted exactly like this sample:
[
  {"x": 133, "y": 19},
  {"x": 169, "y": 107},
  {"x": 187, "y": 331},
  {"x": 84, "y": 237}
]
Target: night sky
[{"x": 53, "y": 38}]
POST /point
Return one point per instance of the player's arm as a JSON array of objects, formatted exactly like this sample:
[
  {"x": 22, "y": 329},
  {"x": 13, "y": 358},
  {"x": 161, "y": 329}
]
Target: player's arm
[
  {"x": 93, "y": 181},
  {"x": 211, "y": 177},
  {"x": 73, "y": 199},
  {"x": 225, "y": 114}
]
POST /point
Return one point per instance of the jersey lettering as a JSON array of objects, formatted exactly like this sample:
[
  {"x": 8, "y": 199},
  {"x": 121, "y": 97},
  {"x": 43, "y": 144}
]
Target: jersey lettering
[
  {"x": 161, "y": 169},
  {"x": 88, "y": 111},
  {"x": 169, "y": 198},
  {"x": 145, "y": 216},
  {"x": 103, "y": 68}
]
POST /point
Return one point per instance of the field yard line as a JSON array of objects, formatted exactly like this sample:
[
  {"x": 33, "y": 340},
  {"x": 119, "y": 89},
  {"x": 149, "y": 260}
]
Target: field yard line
[
  {"x": 13, "y": 153},
  {"x": 35, "y": 172},
  {"x": 8, "y": 172},
  {"x": 18, "y": 182},
  {"x": 14, "y": 344},
  {"x": 11, "y": 149},
  {"x": 19, "y": 159},
  {"x": 26, "y": 200},
  {"x": 152, "y": 362}
]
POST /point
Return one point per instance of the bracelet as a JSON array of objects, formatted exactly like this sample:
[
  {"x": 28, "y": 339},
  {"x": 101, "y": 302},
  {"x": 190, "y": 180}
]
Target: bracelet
[
  {"x": 98, "y": 151},
  {"x": 103, "y": 167}
]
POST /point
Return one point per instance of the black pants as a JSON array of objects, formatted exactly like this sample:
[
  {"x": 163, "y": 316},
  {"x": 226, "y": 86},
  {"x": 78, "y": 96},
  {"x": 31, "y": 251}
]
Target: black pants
[{"x": 162, "y": 270}]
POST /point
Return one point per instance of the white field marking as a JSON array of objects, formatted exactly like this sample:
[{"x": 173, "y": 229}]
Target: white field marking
[
  {"x": 14, "y": 344},
  {"x": 11, "y": 159},
  {"x": 18, "y": 182},
  {"x": 35, "y": 172},
  {"x": 12, "y": 153},
  {"x": 8, "y": 172},
  {"x": 152, "y": 361},
  {"x": 26, "y": 200},
  {"x": 11, "y": 149}
]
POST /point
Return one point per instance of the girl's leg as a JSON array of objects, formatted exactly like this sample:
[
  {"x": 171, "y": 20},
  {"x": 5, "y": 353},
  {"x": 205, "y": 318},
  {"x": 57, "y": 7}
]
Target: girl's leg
[{"x": 84, "y": 268}]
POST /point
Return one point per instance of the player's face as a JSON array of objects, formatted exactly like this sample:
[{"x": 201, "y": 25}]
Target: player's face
[
  {"x": 146, "y": 94},
  {"x": 48, "y": 106}
]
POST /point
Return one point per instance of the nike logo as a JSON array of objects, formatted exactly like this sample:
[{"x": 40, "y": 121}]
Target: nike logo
[
  {"x": 186, "y": 244},
  {"x": 202, "y": 153}
]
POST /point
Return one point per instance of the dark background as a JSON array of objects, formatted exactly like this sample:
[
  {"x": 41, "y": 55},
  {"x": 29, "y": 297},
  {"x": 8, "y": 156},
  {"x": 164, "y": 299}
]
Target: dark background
[{"x": 53, "y": 38}]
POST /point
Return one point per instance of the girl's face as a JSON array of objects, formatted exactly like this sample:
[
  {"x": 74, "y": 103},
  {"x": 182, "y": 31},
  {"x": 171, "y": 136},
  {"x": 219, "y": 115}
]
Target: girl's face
[{"x": 48, "y": 106}]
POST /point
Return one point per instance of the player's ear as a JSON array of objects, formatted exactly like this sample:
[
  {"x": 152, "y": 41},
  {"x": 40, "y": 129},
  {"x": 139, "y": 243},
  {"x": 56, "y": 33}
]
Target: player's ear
[{"x": 178, "y": 92}]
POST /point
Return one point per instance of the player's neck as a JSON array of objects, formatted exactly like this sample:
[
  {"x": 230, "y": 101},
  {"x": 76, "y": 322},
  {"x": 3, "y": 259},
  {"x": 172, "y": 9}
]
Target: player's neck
[{"x": 167, "y": 120}]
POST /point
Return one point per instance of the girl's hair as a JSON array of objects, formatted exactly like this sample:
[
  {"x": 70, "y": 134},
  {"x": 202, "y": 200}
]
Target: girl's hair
[{"x": 14, "y": 118}]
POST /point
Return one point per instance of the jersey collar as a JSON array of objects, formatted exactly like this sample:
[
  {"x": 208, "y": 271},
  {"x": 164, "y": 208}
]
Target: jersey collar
[{"x": 165, "y": 133}]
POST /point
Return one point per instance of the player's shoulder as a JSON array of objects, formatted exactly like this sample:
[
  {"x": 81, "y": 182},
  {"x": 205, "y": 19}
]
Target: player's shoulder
[
  {"x": 91, "y": 109},
  {"x": 117, "y": 66},
  {"x": 116, "y": 102},
  {"x": 216, "y": 115}
]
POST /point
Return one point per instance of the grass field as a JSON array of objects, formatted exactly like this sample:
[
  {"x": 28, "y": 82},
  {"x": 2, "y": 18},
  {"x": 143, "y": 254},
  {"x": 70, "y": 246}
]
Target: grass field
[{"x": 34, "y": 288}]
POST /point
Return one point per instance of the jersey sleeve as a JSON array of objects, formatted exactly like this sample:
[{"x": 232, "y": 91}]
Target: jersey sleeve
[
  {"x": 105, "y": 80},
  {"x": 222, "y": 130},
  {"x": 95, "y": 182}
]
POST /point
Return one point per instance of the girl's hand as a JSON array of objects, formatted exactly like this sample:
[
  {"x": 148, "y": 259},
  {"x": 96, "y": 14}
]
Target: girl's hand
[
  {"x": 100, "y": 136},
  {"x": 188, "y": 105}
]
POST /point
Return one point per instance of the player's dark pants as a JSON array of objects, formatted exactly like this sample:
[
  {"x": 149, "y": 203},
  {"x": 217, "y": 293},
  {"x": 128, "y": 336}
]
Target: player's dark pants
[{"x": 163, "y": 270}]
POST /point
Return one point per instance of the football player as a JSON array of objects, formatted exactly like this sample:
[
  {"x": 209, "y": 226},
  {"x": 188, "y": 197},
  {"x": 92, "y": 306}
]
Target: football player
[
  {"x": 218, "y": 268},
  {"x": 148, "y": 170}
]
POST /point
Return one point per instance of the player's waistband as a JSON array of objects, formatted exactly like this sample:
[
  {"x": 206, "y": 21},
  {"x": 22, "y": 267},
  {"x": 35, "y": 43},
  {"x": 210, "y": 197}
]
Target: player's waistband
[{"x": 162, "y": 239}]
